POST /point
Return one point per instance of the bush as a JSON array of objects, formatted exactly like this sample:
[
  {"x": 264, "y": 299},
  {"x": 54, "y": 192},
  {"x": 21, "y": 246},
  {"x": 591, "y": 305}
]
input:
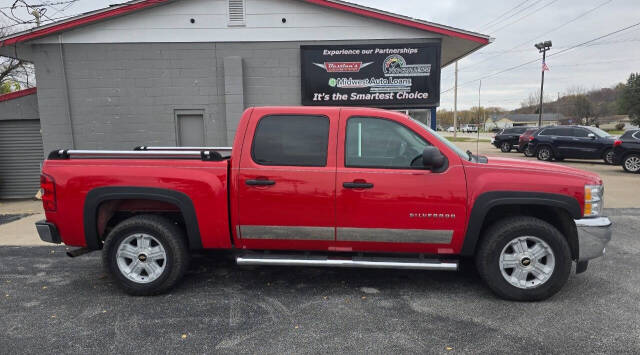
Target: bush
[{"x": 619, "y": 126}]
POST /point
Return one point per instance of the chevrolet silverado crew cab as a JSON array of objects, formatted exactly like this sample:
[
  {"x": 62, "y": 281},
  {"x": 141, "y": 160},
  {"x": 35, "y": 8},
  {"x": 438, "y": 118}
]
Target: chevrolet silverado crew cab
[{"x": 326, "y": 186}]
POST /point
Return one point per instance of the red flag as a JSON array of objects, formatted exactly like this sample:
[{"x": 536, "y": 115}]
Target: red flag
[{"x": 544, "y": 66}]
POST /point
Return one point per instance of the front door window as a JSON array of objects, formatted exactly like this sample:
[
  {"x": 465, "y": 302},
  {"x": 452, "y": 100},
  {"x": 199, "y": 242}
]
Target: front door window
[{"x": 379, "y": 143}]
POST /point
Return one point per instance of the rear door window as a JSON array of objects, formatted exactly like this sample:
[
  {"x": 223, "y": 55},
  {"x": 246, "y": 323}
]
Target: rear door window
[
  {"x": 580, "y": 132},
  {"x": 291, "y": 140},
  {"x": 558, "y": 131}
]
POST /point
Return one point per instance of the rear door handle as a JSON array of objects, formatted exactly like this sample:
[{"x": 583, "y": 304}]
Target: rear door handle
[
  {"x": 260, "y": 182},
  {"x": 357, "y": 185}
]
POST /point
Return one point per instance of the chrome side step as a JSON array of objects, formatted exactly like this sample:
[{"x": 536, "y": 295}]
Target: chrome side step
[{"x": 355, "y": 262}]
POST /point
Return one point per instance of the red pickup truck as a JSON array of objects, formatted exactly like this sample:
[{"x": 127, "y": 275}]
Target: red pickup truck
[{"x": 326, "y": 186}]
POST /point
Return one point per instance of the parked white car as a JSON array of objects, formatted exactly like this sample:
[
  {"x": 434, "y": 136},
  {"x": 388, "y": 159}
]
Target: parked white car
[
  {"x": 451, "y": 129},
  {"x": 468, "y": 128}
]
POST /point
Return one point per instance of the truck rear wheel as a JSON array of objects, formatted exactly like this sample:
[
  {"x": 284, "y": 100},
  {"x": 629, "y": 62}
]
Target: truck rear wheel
[
  {"x": 524, "y": 259},
  {"x": 146, "y": 255}
]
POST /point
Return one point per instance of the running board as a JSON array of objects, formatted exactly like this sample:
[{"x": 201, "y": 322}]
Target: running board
[{"x": 355, "y": 262}]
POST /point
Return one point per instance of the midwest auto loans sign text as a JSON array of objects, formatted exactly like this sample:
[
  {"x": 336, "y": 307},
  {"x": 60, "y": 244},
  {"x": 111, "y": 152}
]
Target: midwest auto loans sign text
[{"x": 394, "y": 75}]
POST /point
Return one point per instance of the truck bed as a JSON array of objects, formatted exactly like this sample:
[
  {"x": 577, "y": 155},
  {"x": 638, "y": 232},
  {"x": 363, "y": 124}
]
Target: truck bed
[{"x": 107, "y": 179}]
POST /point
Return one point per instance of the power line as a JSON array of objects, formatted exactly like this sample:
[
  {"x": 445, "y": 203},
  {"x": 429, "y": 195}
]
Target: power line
[
  {"x": 516, "y": 13},
  {"x": 37, "y": 11},
  {"x": 525, "y": 16},
  {"x": 550, "y": 55},
  {"x": 504, "y": 13},
  {"x": 543, "y": 34},
  {"x": 42, "y": 4}
]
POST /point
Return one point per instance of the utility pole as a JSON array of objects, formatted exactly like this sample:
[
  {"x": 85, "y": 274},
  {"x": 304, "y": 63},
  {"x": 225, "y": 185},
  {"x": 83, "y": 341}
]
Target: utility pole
[
  {"x": 455, "y": 103},
  {"x": 542, "y": 47},
  {"x": 478, "y": 127},
  {"x": 479, "y": 88}
]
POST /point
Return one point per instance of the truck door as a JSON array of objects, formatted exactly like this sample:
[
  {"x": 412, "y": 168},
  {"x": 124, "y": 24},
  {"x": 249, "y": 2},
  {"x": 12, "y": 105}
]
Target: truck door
[
  {"x": 286, "y": 180},
  {"x": 387, "y": 202}
]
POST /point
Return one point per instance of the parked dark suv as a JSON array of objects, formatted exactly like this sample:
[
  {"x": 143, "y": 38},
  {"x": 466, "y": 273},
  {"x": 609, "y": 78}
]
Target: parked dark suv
[
  {"x": 576, "y": 142},
  {"x": 507, "y": 139},
  {"x": 626, "y": 151}
]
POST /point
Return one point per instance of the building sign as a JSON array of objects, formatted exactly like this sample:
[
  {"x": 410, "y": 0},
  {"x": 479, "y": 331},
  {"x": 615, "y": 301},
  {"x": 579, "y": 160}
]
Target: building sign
[{"x": 393, "y": 75}]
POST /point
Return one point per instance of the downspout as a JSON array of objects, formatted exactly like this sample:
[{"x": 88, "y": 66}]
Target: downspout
[{"x": 66, "y": 91}]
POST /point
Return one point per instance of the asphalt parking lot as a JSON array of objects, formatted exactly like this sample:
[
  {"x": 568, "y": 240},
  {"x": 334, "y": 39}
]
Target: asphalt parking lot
[{"x": 54, "y": 304}]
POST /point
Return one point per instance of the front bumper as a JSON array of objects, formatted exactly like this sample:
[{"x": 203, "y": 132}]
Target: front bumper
[
  {"x": 593, "y": 236},
  {"x": 48, "y": 232}
]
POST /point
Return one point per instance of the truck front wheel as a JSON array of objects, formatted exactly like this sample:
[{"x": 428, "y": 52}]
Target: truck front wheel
[
  {"x": 146, "y": 255},
  {"x": 524, "y": 259}
]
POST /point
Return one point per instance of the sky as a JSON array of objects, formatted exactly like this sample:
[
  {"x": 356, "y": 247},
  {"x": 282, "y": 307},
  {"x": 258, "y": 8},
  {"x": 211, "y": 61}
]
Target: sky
[{"x": 515, "y": 25}]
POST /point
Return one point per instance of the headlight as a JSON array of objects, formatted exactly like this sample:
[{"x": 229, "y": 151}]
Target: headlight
[{"x": 593, "y": 200}]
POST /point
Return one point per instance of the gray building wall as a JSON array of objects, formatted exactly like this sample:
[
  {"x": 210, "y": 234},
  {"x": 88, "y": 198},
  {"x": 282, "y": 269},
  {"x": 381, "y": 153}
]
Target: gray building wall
[
  {"x": 124, "y": 95},
  {"x": 21, "y": 108}
]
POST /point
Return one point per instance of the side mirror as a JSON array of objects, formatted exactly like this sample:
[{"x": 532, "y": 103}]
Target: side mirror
[
  {"x": 433, "y": 159},
  {"x": 591, "y": 135}
]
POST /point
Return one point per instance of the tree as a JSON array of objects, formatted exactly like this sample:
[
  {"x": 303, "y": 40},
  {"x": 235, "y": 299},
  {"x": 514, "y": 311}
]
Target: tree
[
  {"x": 629, "y": 101},
  {"x": 12, "y": 71},
  {"x": 583, "y": 110},
  {"x": 16, "y": 74}
]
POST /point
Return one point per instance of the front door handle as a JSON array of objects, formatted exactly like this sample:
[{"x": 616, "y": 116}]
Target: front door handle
[
  {"x": 260, "y": 182},
  {"x": 357, "y": 185}
]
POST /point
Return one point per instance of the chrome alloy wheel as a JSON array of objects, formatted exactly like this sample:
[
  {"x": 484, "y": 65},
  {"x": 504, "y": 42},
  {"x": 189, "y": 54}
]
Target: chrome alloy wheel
[
  {"x": 544, "y": 153},
  {"x": 609, "y": 157},
  {"x": 632, "y": 163},
  {"x": 527, "y": 262},
  {"x": 141, "y": 258}
]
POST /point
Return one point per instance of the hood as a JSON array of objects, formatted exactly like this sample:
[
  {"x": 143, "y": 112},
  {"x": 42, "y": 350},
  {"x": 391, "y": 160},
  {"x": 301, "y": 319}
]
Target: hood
[{"x": 525, "y": 165}]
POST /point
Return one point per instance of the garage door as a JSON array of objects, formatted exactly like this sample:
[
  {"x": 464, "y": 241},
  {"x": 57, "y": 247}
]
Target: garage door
[{"x": 20, "y": 158}]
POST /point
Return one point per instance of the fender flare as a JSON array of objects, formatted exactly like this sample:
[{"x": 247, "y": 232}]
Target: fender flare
[
  {"x": 488, "y": 200},
  {"x": 99, "y": 195}
]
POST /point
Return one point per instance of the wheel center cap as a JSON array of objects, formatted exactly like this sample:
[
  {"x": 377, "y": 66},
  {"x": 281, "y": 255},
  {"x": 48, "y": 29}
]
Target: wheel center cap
[
  {"x": 525, "y": 261},
  {"x": 142, "y": 257}
]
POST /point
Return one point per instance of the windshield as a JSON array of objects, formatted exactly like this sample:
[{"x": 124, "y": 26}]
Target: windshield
[
  {"x": 449, "y": 144},
  {"x": 599, "y": 132}
]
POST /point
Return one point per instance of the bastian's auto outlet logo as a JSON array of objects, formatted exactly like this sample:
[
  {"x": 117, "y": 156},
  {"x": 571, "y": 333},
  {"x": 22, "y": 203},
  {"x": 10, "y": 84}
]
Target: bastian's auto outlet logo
[
  {"x": 342, "y": 67},
  {"x": 395, "y": 65}
]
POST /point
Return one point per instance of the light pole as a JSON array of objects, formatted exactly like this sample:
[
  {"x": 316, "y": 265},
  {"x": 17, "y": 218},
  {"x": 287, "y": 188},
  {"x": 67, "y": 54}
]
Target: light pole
[{"x": 542, "y": 47}]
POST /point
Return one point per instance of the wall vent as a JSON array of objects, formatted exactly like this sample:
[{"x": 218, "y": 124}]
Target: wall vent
[{"x": 236, "y": 12}]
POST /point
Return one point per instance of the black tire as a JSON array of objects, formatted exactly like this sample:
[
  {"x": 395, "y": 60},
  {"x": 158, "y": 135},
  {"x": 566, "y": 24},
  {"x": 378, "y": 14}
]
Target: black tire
[
  {"x": 496, "y": 238},
  {"x": 608, "y": 156},
  {"x": 630, "y": 167},
  {"x": 528, "y": 152},
  {"x": 505, "y": 147},
  {"x": 544, "y": 153},
  {"x": 167, "y": 234}
]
